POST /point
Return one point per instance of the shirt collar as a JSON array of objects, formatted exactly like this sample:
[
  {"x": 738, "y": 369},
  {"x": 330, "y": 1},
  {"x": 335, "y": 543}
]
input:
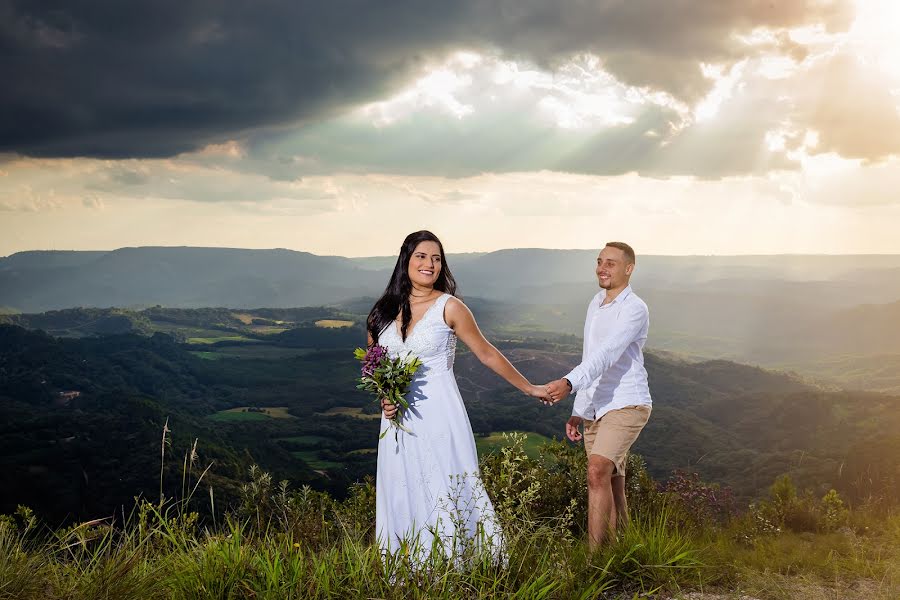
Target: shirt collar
[{"x": 622, "y": 295}]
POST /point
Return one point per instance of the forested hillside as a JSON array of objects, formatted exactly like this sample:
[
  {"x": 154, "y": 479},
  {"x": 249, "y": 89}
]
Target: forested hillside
[{"x": 82, "y": 418}]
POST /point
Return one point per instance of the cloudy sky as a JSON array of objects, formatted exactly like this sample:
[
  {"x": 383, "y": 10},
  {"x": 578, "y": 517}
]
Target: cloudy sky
[{"x": 681, "y": 126}]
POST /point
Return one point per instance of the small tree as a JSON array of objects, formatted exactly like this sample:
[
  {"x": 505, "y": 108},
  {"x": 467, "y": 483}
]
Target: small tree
[{"x": 834, "y": 513}]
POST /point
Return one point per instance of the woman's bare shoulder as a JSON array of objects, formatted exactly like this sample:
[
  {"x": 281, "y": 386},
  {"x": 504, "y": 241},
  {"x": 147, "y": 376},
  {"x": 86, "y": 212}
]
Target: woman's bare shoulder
[{"x": 455, "y": 311}]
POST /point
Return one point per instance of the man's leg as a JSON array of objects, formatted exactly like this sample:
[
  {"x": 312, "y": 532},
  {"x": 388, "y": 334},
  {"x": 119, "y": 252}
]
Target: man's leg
[
  {"x": 618, "y": 490},
  {"x": 601, "y": 503},
  {"x": 607, "y": 441}
]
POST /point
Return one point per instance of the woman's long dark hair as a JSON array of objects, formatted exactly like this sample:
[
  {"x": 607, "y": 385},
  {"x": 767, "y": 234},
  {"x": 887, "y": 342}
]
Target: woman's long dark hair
[{"x": 395, "y": 299}]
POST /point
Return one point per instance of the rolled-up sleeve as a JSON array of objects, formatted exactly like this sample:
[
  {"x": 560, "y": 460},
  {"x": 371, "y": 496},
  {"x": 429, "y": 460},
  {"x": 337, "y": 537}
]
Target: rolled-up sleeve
[{"x": 629, "y": 326}]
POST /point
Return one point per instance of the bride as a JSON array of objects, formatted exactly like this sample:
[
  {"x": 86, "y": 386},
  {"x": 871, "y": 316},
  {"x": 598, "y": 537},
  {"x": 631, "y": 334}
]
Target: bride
[{"x": 429, "y": 495}]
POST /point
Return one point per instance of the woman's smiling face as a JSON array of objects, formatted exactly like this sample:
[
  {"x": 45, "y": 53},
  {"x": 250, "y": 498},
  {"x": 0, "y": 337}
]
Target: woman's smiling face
[{"x": 425, "y": 264}]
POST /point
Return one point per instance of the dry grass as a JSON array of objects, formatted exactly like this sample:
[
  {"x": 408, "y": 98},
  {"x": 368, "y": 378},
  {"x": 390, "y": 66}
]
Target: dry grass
[
  {"x": 346, "y": 411},
  {"x": 333, "y": 323}
]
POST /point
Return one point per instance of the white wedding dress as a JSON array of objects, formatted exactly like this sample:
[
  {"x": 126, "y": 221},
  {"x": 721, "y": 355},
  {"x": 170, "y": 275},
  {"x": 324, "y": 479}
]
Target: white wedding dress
[{"x": 429, "y": 493}]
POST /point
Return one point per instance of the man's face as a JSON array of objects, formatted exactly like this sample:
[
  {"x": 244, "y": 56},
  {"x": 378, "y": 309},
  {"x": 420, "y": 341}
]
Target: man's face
[{"x": 613, "y": 268}]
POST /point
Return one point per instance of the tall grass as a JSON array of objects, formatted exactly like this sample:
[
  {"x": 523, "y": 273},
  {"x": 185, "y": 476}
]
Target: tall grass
[
  {"x": 282, "y": 544},
  {"x": 235, "y": 564}
]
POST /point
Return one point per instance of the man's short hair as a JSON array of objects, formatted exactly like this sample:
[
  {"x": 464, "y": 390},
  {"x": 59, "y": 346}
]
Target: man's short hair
[{"x": 628, "y": 250}]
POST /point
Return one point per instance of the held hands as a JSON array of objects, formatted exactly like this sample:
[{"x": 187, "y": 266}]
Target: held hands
[
  {"x": 551, "y": 393},
  {"x": 557, "y": 390},
  {"x": 540, "y": 392}
]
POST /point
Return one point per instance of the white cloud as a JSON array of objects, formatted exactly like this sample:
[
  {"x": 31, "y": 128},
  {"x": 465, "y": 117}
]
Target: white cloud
[
  {"x": 438, "y": 89},
  {"x": 42, "y": 185},
  {"x": 228, "y": 149},
  {"x": 490, "y": 114},
  {"x": 24, "y": 198},
  {"x": 722, "y": 89}
]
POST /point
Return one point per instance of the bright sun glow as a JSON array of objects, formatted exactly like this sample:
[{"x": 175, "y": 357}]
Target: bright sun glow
[{"x": 876, "y": 32}]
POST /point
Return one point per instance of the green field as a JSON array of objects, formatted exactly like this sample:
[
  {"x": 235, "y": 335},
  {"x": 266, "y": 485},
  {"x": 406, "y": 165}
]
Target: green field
[
  {"x": 190, "y": 332},
  {"x": 228, "y": 416},
  {"x": 309, "y": 440},
  {"x": 311, "y": 457},
  {"x": 494, "y": 441},
  {"x": 241, "y": 413},
  {"x": 220, "y": 338},
  {"x": 259, "y": 351},
  {"x": 268, "y": 329}
]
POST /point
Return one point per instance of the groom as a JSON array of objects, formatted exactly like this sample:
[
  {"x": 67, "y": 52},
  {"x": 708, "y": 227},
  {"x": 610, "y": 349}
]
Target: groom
[{"x": 613, "y": 398}]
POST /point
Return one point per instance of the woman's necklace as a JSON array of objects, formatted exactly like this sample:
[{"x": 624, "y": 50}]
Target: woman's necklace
[{"x": 425, "y": 298}]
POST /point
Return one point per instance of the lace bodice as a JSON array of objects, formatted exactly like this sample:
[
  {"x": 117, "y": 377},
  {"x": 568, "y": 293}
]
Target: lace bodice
[{"x": 431, "y": 339}]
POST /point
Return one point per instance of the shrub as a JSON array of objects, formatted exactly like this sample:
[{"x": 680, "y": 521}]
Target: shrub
[
  {"x": 753, "y": 525},
  {"x": 641, "y": 491},
  {"x": 526, "y": 490},
  {"x": 787, "y": 510},
  {"x": 698, "y": 504}
]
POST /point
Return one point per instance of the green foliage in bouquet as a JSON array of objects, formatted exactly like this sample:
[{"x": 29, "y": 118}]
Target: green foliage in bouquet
[{"x": 388, "y": 378}]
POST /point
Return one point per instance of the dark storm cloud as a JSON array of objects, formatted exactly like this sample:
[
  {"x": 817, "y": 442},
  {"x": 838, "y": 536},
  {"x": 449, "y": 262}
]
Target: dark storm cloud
[
  {"x": 155, "y": 78},
  {"x": 655, "y": 43},
  {"x": 162, "y": 77}
]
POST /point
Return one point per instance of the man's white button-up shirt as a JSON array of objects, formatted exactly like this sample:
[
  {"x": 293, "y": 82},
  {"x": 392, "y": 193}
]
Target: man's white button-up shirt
[{"x": 612, "y": 374}]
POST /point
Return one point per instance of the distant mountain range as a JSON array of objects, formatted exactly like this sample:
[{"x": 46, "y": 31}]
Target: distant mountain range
[
  {"x": 179, "y": 277},
  {"x": 187, "y": 277},
  {"x": 817, "y": 314}
]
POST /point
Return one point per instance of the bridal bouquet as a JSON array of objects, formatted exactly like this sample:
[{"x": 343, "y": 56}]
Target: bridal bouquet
[{"x": 388, "y": 378}]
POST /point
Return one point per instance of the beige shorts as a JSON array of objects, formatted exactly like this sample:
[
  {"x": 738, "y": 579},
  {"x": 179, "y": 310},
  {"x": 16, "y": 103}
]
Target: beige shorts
[{"x": 612, "y": 435}]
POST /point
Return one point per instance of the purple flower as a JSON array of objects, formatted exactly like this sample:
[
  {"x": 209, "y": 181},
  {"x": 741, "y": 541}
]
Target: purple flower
[{"x": 372, "y": 359}]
